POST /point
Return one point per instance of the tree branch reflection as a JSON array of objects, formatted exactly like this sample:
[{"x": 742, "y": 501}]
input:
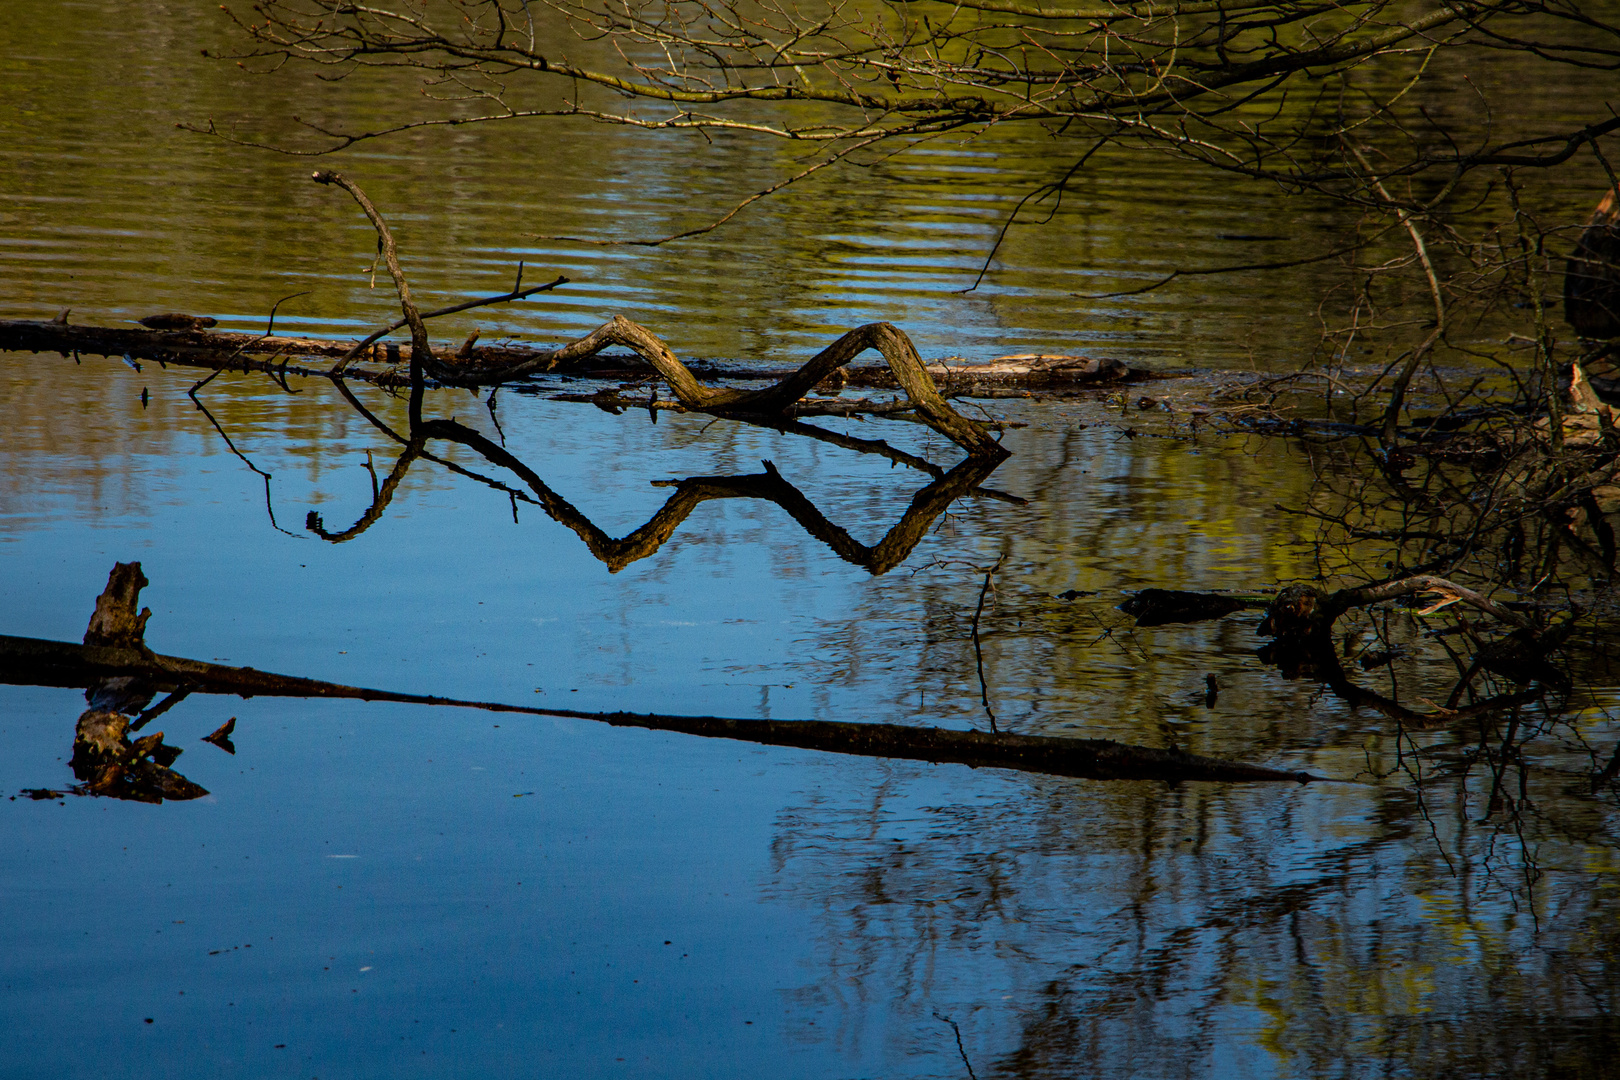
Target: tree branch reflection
[
  {"x": 122, "y": 675},
  {"x": 616, "y": 553}
]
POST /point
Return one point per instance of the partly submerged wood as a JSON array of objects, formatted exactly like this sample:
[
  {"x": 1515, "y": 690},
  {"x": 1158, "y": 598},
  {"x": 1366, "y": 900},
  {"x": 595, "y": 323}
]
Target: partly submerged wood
[
  {"x": 290, "y": 355},
  {"x": 38, "y": 662},
  {"x": 200, "y": 348}
]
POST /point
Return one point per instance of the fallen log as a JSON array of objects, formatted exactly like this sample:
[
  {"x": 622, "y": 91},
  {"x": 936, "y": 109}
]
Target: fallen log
[
  {"x": 214, "y": 350},
  {"x": 40, "y": 662},
  {"x": 382, "y": 362}
]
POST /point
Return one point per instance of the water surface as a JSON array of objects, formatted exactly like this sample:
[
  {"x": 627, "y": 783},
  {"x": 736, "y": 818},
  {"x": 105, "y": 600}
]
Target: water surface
[
  {"x": 385, "y": 890},
  {"x": 439, "y": 892}
]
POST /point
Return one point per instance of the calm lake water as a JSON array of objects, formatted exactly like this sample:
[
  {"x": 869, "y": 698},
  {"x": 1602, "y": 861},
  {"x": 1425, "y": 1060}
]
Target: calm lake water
[{"x": 382, "y": 890}]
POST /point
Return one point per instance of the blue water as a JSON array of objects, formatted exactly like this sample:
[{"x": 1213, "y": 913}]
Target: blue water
[{"x": 383, "y": 890}]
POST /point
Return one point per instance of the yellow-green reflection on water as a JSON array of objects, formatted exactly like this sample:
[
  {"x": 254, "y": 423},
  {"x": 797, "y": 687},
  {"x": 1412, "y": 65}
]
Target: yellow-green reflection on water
[{"x": 106, "y": 207}]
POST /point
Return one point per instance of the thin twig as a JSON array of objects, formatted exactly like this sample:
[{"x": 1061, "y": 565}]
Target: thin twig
[
  {"x": 960, "y": 1049},
  {"x": 978, "y": 651},
  {"x": 515, "y": 294},
  {"x": 268, "y": 505},
  {"x": 270, "y": 327}
]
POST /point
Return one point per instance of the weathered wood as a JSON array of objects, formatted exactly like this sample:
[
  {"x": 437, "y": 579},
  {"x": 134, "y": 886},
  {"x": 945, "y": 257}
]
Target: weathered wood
[
  {"x": 229, "y": 350},
  {"x": 115, "y": 621},
  {"x": 195, "y": 348},
  {"x": 104, "y": 758}
]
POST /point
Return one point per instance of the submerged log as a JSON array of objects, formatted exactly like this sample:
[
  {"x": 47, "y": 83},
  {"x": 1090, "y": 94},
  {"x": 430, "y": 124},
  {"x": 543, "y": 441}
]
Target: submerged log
[
  {"x": 39, "y": 662},
  {"x": 1159, "y": 607}
]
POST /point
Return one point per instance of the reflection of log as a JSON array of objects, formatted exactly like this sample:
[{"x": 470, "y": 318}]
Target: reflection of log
[
  {"x": 35, "y": 662},
  {"x": 1592, "y": 274},
  {"x": 617, "y": 553},
  {"x": 1090, "y": 759},
  {"x": 925, "y": 507}
]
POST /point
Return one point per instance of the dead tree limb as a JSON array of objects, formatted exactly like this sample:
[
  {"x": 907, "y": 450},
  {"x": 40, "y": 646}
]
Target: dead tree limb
[
  {"x": 1301, "y": 620},
  {"x": 775, "y": 401},
  {"x": 1306, "y": 612},
  {"x": 1397, "y": 392},
  {"x": 421, "y": 351}
]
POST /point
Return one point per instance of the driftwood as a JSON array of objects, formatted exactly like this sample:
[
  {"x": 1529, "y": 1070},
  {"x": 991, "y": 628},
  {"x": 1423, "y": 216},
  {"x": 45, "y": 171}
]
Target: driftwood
[
  {"x": 37, "y": 662},
  {"x": 105, "y": 759}
]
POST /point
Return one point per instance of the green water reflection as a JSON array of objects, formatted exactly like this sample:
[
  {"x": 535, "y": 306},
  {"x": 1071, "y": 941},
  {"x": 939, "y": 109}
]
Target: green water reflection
[{"x": 110, "y": 210}]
